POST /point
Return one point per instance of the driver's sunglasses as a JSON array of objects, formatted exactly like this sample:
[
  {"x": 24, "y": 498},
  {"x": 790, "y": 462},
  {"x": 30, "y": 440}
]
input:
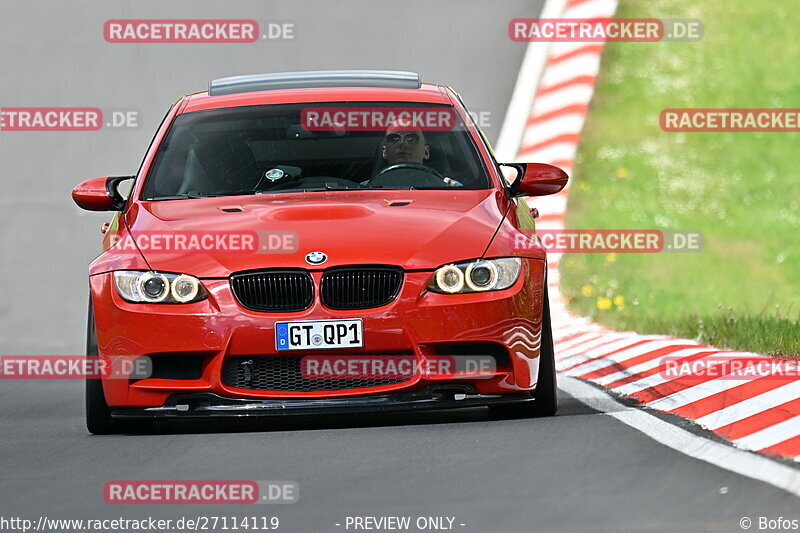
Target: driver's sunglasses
[{"x": 410, "y": 138}]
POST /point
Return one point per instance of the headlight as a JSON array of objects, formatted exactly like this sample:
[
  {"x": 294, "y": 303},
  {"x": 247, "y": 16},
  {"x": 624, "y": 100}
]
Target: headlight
[
  {"x": 476, "y": 276},
  {"x": 158, "y": 287}
]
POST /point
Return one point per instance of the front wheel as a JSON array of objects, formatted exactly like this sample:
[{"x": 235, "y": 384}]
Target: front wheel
[{"x": 546, "y": 395}]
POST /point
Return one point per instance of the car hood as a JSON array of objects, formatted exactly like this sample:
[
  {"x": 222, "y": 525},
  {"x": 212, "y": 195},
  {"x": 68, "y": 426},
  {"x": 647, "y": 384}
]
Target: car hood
[{"x": 412, "y": 229}]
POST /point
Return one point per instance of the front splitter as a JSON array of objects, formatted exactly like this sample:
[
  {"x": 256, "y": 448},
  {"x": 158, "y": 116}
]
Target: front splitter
[{"x": 209, "y": 405}]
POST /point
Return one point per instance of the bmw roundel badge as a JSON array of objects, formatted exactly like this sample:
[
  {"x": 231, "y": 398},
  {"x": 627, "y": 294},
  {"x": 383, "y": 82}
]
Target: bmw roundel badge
[{"x": 316, "y": 258}]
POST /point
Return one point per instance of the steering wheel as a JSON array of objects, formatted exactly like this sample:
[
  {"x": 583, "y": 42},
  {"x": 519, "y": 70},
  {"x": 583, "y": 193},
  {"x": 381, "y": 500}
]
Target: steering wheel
[{"x": 410, "y": 166}]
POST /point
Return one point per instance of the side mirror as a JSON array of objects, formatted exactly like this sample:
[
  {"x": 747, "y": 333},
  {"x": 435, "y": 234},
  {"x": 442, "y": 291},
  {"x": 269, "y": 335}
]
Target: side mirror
[
  {"x": 537, "y": 179},
  {"x": 100, "y": 194}
]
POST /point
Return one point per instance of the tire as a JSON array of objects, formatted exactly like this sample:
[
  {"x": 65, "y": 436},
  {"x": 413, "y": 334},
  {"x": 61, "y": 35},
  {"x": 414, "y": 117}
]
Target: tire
[
  {"x": 546, "y": 384},
  {"x": 98, "y": 414},
  {"x": 546, "y": 395}
]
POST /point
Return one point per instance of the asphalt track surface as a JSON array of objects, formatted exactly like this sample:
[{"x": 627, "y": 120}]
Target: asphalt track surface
[{"x": 579, "y": 471}]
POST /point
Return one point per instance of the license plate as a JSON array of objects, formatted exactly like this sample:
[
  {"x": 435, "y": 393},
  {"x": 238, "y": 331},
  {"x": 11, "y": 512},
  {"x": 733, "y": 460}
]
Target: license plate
[{"x": 319, "y": 334}]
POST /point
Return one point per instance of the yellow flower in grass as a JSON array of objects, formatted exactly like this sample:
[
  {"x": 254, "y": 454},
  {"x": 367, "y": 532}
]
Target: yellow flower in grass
[
  {"x": 622, "y": 173},
  {"x": 587, "y": 290},
  {"x": 611, "y": 258},
  {"x": 603, "y": 303},
  {"x": 582, "y": 185},
  {"x": 619, "y": 300}
]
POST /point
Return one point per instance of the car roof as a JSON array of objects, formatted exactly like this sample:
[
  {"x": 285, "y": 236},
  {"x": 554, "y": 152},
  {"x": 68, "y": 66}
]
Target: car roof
[
  {"x": 316, "y": 86},
  {"x": 427, "y": 93}
]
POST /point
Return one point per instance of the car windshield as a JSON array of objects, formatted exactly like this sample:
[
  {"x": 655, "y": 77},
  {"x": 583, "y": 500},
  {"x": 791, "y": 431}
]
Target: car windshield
[{"x": 315, "y": 147}]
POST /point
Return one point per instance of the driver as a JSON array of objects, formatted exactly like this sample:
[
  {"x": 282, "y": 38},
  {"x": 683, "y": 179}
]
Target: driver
[{"x": 403, "y": 145}]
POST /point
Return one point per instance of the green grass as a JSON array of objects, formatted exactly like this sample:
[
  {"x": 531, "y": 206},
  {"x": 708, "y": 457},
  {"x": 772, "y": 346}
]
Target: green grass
[{"x": 742, "y": 190}]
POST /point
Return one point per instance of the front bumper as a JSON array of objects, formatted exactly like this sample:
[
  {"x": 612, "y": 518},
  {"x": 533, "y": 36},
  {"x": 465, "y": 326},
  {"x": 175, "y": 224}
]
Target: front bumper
[{"x": 418, "y": 322}]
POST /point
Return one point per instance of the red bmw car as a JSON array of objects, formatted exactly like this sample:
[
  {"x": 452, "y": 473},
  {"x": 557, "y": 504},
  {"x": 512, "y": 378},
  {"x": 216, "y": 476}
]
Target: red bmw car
[{"x": 319, "y": 242}]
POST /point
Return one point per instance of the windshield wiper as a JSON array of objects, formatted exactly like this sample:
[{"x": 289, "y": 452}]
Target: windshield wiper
[
  {"x": 194, "y": 194},
  {"x": 305, "y": 189},
  {"x": 390, "y": 187},
  {"x": 318, "y": 188},
  {"x": 338, "y": 188},
  {"x": 179, "y": 196}
]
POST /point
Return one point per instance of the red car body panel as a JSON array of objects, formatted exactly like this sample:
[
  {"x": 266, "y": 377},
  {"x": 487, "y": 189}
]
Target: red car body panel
[
  {"x": 436, "y": 228},
  {"x": 353, "y": 227}
]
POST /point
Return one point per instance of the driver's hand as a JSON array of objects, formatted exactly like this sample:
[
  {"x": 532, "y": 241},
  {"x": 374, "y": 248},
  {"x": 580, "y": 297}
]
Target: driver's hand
[{"x": 453, "y": 183}]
